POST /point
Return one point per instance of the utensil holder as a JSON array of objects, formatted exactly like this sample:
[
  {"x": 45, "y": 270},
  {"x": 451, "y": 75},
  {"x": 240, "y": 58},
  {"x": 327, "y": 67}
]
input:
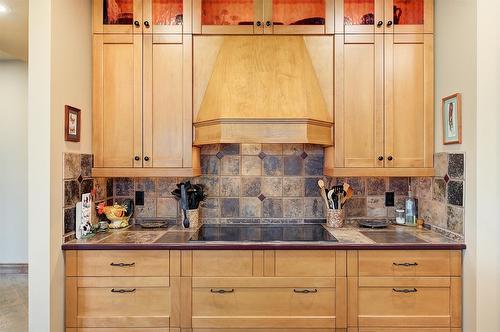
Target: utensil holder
[
  {"x": 335, "y": 218},
  {"x": 193, "y": 217}
]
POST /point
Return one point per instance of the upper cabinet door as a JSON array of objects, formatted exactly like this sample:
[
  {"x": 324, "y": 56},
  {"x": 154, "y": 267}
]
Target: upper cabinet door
[
  {"x": 359, "y": 101},
  {"x": 409, "y": 100},
  {"x": 298, "y": 16},
  {"x": 117, "y": 100},
  {"x": 117, "y": 16},
  {"x": 409, "y": 16},
  {"x": 359, "y": 16},
  {"x": 228, "y": 16},
  {"x": 167, "y": 16}
]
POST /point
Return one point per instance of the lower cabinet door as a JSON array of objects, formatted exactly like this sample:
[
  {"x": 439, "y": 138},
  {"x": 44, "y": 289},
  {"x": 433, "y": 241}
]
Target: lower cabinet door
[{"x": 218, "y": 308}]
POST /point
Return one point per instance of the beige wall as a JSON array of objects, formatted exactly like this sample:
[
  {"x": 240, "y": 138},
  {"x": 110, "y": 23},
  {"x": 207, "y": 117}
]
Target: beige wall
[
  {"x": 60, "y": 70},
  {"x": 456, "y": 72},
  {"x": 13, "y": 162}
]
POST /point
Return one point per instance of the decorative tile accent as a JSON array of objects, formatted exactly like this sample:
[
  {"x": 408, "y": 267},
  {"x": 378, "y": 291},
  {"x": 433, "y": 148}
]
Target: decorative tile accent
[
  {"x": 446, "y": 178},
  {"x": 230, "y": 149},
  {"x": 272, "y": 166},
  {"x": 313, "y": 166},
  {"x": 293, "y": 187},
  {"x": 376, "y": 186},
  {"x": 456, "y": 166},
  {"x": 261, "y": 197},
  {"x": 293, "y": 165},
  {"x": 167, "y": 207},
  {"x": 250, "y": 186},
  {"x": 262, "y": 155},
  {"x": 303, "y": 155},
  {"x": 251, "y": 165},
  {"x": 220, "y": 155},
  {"x": 231, "y": 165},
  {"x": 439, "y": 190},
  {"x": 230, "y": 207},
  {"x": 399, "y": 185},
  {"x": 293, "y": 207},
  {"x": 456, "y": 193},
  {"x": 272, "y": 208},
  {"x": 230, "y": 186},
  {"x": 210, "y": 165},
  {"x": 250, "y": 207},
  {"x": 80, "y": 179},
  {"x": 272, "y": 187},
  {"x": 455, "y": 221},
  {"x": 251, "y": 149}
]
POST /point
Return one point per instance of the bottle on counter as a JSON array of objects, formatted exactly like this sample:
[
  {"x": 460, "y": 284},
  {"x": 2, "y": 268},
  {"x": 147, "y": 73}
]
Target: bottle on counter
[{"x": 410, "y": 209}]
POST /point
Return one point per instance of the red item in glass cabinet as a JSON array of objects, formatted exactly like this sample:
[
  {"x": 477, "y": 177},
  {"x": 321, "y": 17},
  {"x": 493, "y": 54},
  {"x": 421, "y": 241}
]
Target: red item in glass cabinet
[
  {"x": 227, "y": 12},
  {"x": 409, "y": 12},
  {"x": 119, "y": 11},
  {"x": 167, "y": 12},
  {"x": 358, "y": 12}
]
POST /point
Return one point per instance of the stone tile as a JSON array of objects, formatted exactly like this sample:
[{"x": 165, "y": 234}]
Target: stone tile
[
  {"x": 72, "y": 165},
  {"x": 230, "y": 165},
  {"x": 148, "y": 210},
  {"x": 314, "y": 207},
  {"x": 230, "y": 149},
  {"x": 124, "y": 187},
  {"x": 289, "y": 149},
  {"x": 272, "y": 208},
  {"x": 230, "y": 207},
  {"x": 250, "y": 186},
  {"x": 210, "y": 183},
  {"x": 109, "y": 187},
  {"x": 356, "y": 207},
  {"x": 425, "y": 210},
  {"x": 272, "y": 187},
  {"x": 69, "y": 220},
  {"x": 250, "y": 207},
  {"x": 455, "y": 221},
  {"x": 293, "y": 187},
  {"x": 358, "y": 185},
  {"x": 293, "y": 207},
  {"x": 422, "y": 187},
  {"x": 251, "y": 165},
  {"x": 293, "y": 165},
  {"x": 210, "y": 149},
  {"x": 210, "y": 165},
  {"x": 439, "y": 190},
  {"x": 148, "y": 185},
  {"x": 313, "y": 149},
  {"x": 399, "y": 202},
  {"x": 441, "y": 164},
  {"x": 456, "y": 166},
  {"x": 210, "y": 208},
  {"x": 399, "y": 185},
  {"x": 376, "y": 186},
  {"x": 272, "y": 166},
  {"x": 311, "y": 188},
  {"x": 272, "y": 149},
  {"x": 86, "y": 165},
  {"x": 100, "y": 189},
  {"x": 456, "y": 193},
  {"x": 438, "y": 214},
  {"x": 167, "y": 207},
  {"x": 230, "y": 186},
  {"x": 71, "y": 193},
  {"x": 165, "y": 186},
  {"x": 251, "y": 149},
  {"x": 376, "y": 207},
  {"x": 86, "y": 186},
  {"x": 313, "y": 165}
]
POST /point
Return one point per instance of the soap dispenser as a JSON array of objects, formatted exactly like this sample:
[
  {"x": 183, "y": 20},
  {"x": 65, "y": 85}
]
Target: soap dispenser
[{"x": 410, "y": 209}]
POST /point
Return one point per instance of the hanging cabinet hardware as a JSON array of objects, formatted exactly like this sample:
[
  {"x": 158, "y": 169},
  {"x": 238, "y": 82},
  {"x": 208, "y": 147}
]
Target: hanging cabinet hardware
[
  {"x": 405, "y": 264},
  {"x": 137, "y": 24},
  {"x": 268, "y": 23},
  {"x": 380, "y": 24},
  {"x": 305, "y": 291},
  {"x": 380, "y": 158},
  {"x": 146, "y": 24},
  {"x": 389, "y": 23},
  {"x": 122, "y": 291},
  {"x": 404, "y": 290},
  {"x": 258, "y": 23},
  {"x": 123, "y": 264},
  {"x": 146, "y": 158},
  {"x": 137, "y": 158},
  {"x": 222, "y": 291}
]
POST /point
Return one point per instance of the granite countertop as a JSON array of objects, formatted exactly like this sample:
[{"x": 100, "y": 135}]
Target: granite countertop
[{"x": 350, "y": 237}]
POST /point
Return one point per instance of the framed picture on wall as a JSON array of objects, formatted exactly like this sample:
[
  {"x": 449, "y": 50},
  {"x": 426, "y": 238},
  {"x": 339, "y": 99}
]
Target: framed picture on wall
[
  {"x": 452, "y": 119},
  {"x": 72, "y": 124}
]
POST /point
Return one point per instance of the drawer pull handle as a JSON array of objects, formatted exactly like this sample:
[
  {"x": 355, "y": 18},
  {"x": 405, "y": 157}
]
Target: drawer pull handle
[
  {"x": 305, "y": 291},
  {"x": 404, "y": 290},
  {"x": 122, "y": 291},
  {"x": 405, "y": 264},
  {"x": 123, "y": 264},
  {"x": 222, "y": 291}
]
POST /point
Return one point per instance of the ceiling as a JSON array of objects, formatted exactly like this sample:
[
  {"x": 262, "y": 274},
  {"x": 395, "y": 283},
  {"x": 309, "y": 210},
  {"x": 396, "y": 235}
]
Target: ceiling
[{"x": 14, "y": 30}]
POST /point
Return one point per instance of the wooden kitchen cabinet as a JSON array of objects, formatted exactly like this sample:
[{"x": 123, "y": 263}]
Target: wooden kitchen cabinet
[
  {"x": 142, "y": 115},
  {"x": 142, "y": 16},
  {"x": 384, "y": 112},
  {"x": 384, "y": 16},
  {"x": 263, "y": 16}
]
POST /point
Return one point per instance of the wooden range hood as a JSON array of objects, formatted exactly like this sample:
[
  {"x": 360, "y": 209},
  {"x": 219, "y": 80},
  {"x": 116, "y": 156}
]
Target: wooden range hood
[{"x": 263, "y": 89}]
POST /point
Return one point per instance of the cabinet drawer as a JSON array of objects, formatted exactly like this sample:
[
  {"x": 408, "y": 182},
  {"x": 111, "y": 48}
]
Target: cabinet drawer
[
  {"x": 263, "y": 307},
  {"x": 147, "y": 263},
  {"x": 266, "y": 330},
  {"x": 119, "y": 307},
  {"x": 404, "y": 306},
  {"x": 121, "y": 329},
  {"x": 404, "y": 263},
  {"x": 222, "y": 263},
  {"x": 301, "y": 263},
  {"x": 385, "y": 329}
]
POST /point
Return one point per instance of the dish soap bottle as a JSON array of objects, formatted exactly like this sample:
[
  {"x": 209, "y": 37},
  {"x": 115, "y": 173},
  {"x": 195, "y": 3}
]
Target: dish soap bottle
[{"x": 410, "y": 209}]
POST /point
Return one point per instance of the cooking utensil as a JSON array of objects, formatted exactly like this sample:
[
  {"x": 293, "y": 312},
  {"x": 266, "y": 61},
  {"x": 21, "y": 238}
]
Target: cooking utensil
[
  {"x": 322, "y": 188},
  {"x": 184, "y": 206}
]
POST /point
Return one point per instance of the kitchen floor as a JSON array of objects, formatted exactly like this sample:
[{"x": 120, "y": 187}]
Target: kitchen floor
[{"x": 13, "y": 302}]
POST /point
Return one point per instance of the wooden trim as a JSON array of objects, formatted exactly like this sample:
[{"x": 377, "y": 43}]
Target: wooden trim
[
  {"x": 186, "y": 263},
  {"x": 97, "y": 98},
  {"x": 330, "y": 17},
  {"x": 138, "y": 96},
  {"x": 341, "y": 302},
  {"x": 71, "y": 263},
  {"x": 186, "y": 299},
  {"x": 71, "y": 293},
  {"x": 13, "y": 268},
  {"x": 263, "y": 282},
  {"x": 110, "y": 282},
  {"x": 175, "y": 263},
  {"x": 429, "y": 110},
  {"x": 255, "y": 322},
  {"x": 404, "y": 282},
  {"x": 299, "y": 29},
  {"x": 145, "y": 172},
  {"x": 269, "y": 263},
  {"x": 456, "y": 263},
  {"x": 352, "y": 263},
  {"x": 187, "y": 82},
  {"x": 456, "y": 302},
  {"x": 352, "y": 301},
  {"x": 175, "y": 302},
  {"x": 227, "y": 29},
  {"x": 339, "y": 98},
  {"x": 187, "y": 24},
  {"x": 369, "y": 172},
  {"x": 258, "y": 263},
  {"x": 196, "y": 17},
  {"x": 340, "y": 263}
]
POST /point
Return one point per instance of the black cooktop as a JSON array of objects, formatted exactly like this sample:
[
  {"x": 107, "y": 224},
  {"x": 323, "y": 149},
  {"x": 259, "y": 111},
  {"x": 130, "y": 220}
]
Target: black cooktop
[{"x": 263, "y": 233}]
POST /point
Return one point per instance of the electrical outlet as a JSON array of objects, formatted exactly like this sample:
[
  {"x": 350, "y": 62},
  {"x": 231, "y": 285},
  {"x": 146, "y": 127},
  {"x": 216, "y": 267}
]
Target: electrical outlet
[
  {"x": 139, "y": 198},
  {"x": 389, "y": 199}
]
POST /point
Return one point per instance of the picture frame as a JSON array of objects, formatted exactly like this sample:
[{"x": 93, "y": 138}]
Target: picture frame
[
  {"x": 72, "y": 124},
  {"x": 452, "y": 119}
]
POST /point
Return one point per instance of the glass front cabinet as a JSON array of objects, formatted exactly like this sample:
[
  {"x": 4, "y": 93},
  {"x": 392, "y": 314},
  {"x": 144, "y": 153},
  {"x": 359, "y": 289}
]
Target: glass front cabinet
[
  {"x": 384, "y": 16},
  {"x": 142, "y": 16},
  {"x": 263, "y": 16}
]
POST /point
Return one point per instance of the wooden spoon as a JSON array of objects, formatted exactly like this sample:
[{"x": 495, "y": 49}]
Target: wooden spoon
[{"x": 321, "y": 185}]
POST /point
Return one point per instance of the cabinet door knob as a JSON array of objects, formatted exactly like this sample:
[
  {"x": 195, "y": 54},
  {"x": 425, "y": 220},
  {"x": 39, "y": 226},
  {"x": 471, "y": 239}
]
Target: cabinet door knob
[
  {"x": 146, "y": 158},
  {"x": 380, "y": 23},
  {"x": 390, "y": 158},
  {"x": 258, "y": 23},
  {"x": 268, "y": 23},
  {"x": 146, "y": 24},
  {"x": 380, "y": 158},
  {"x": 137, "y": 24},
  {"x": 389, "y": 23},
  {"x": 137, "y": 158}
]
